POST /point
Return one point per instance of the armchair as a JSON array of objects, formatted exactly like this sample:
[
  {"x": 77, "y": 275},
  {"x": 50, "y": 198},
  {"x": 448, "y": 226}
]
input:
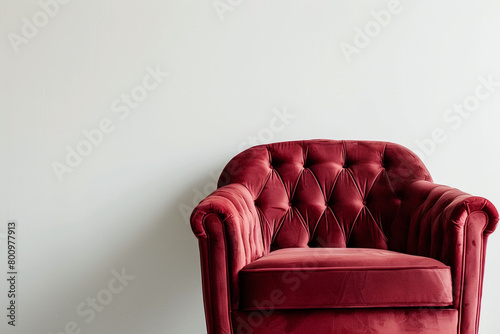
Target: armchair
[{"x": 324, "y": 236}]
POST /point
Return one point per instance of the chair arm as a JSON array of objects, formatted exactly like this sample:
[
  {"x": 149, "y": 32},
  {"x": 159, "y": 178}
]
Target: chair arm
[
  {"x": 451, "y": 226},
  {"x": 228, "y": 229}
]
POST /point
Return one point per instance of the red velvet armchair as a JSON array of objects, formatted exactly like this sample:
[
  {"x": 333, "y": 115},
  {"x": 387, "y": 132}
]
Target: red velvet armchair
[{"x": 324, "y": 236}]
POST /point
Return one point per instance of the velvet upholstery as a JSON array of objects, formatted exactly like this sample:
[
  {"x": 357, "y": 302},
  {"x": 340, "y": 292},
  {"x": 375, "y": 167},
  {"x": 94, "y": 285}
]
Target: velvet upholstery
[
  {"x": 276, "y": 202},
  {"x": 344, "y": 278},
  {"x": 348, "y": 321}
]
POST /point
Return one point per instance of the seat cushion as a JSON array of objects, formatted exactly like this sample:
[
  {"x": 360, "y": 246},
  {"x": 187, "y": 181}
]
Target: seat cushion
[{"x": 299, "y": 278}]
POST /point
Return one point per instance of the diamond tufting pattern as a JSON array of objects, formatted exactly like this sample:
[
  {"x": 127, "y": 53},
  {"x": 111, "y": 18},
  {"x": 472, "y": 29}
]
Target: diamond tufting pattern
[
  {"x": 325, "y": 193},
  {"x": 290, "y": 239}
]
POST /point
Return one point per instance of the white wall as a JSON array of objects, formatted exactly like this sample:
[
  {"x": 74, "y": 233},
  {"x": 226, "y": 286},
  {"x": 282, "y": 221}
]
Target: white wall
[{"x": 122, "y": 205}]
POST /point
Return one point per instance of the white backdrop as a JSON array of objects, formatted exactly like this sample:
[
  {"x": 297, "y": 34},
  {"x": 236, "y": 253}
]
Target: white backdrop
[{"x": 116, "y": 116}]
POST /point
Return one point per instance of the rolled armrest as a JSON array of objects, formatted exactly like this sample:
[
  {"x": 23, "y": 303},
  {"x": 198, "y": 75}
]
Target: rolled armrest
[
  {"x": 451, "y": 226},
  {"x": 228, "y": 229},
  {"x": 431, "y": 212}
]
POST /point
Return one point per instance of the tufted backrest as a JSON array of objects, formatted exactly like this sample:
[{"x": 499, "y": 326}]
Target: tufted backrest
[{"x": 325, "y": 193}]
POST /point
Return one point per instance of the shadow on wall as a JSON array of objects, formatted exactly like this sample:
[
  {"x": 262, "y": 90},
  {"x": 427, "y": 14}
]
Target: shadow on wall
[
  {"x": 166, "y": 295},
  {"x": 159, "y": 265}
]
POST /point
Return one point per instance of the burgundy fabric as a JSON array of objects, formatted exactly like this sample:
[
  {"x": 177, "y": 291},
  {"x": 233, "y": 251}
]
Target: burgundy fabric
[
  {"x": 344, "y": 278},
  {"x": 325, "y": 193},
  {"x": 453, "y": 227},
  {"x": 347, "y": 321},
  {"x": 229, "y": 235}
]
